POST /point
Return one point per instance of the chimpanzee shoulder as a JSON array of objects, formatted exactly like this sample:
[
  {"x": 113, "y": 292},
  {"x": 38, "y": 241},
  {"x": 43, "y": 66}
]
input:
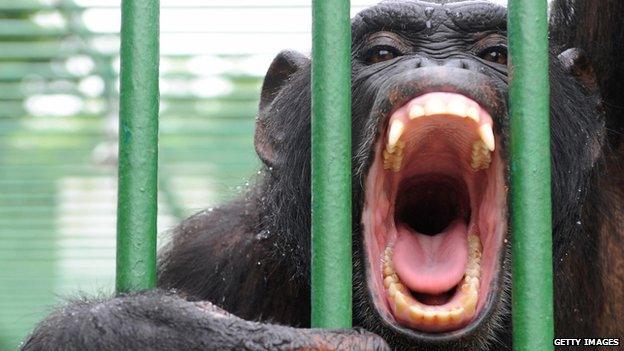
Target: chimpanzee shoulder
[{"x": 239, "y": 269}]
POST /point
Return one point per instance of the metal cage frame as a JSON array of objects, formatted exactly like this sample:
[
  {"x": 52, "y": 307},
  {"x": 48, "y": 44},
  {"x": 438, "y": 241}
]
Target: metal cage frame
[{"x": 532, "y": 292}]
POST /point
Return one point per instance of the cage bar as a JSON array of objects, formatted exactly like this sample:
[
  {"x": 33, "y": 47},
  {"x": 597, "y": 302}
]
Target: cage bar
[
  {"x": 331, "y": 164},
  {"x": 138, "y": 146},
  {"x": 531, "y": 222}
]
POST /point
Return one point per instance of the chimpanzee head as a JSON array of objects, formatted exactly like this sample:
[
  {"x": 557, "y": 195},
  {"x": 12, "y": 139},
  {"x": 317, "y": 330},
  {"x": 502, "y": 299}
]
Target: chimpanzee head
[{"x": 430, "y": 167}]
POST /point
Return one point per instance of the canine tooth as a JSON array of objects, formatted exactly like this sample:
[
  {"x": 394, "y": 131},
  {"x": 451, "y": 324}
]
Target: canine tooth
[
  {"x": 416, "y": 111},
  {"x": 456, "y": 107},
  {"x": 396, "y": 129},
  {"x": 434, "y": 106},
  {"x": 473, "y": 113},
  {"x": 487, "y": 135}
]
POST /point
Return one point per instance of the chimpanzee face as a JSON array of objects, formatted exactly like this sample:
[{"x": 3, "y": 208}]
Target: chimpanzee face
[
  {"x": 430, "y": 86},
  {"x": 430, "y": 167}
]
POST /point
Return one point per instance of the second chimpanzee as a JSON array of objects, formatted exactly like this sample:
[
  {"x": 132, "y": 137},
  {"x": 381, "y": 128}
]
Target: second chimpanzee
[{"x": 430, "y": 185}]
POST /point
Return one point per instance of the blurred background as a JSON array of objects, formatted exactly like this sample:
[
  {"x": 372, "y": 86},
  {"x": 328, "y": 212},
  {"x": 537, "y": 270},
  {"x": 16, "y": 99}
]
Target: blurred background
[{"x": 59, "y": 68}]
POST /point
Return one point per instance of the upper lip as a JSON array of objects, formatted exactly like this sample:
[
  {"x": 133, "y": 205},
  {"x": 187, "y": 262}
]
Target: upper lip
[{"x": 399, "y": 89}]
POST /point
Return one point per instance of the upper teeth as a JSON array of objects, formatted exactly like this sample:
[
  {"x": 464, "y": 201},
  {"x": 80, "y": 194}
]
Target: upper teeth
[
  {"x": 396, "y": 129},
  {"x": 486, "y": 134},
  {"x": 416, "y": 111},
  {"x": 432, "y": 105},
  {"x": 435, "y": 106}
]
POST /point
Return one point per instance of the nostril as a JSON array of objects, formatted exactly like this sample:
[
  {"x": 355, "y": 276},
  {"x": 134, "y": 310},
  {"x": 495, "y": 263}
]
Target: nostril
[
  {"x": 456, "y": 63},
  {"x": 422, "y": 62}
]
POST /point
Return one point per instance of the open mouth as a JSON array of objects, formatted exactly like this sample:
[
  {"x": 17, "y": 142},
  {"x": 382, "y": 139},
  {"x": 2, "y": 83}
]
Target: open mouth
[{"x": 435, "y": 213}]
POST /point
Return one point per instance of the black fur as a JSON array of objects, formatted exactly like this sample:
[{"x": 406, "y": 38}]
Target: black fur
[{"x": 252, "y": 257}]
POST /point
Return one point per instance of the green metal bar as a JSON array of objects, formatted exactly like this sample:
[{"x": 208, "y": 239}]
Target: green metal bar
[
  {"x": 331, "y": 164},
  {"x": 138, "y": 146},
  {"x": 532, "y": 293}
]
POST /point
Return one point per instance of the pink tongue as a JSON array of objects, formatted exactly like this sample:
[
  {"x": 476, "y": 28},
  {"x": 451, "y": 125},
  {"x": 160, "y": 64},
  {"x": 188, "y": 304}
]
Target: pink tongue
[{"x": 431, "y": 264}]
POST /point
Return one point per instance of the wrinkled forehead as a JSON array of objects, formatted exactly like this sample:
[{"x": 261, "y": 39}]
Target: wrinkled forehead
[{"x": 415, "y": 15}]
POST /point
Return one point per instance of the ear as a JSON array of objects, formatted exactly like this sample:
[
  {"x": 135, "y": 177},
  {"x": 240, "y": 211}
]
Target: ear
[
  {"x": 580, "y": 66},
  {"x": 577, "y": 64},
  {"x": 283, "y": 66}
]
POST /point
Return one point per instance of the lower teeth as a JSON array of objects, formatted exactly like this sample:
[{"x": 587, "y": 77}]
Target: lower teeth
[{"x": 457, "y": 312}]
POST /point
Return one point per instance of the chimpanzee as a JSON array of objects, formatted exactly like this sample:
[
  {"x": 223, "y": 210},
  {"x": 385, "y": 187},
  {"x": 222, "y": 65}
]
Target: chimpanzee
[{"x": 430, "y": 200}]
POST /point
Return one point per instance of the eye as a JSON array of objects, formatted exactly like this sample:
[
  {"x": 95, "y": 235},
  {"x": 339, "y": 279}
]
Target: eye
[
  {"x": 496, "y": 54},
  {"x": 381, "y": 53}
]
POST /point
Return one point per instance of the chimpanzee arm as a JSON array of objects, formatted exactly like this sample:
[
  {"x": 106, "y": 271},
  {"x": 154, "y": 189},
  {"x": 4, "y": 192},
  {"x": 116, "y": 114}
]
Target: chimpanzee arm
[
  {"x": 160, "y": 321},
  {"x": 213, "y": 255}
]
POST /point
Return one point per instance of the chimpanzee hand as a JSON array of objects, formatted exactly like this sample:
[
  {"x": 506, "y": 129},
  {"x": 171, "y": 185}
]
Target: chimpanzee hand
[{"x": 161, "y": 321}]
